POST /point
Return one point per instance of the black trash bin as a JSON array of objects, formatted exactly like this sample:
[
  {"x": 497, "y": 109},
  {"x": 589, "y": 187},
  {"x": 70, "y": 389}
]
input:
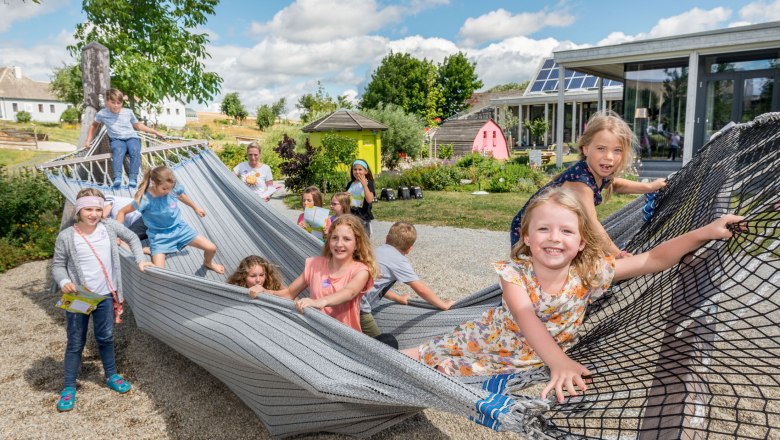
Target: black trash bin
[
  {"x": 403, "y": 193},
  {"x": 387, "y": 194},
  {"x": 416, "y": 192}
]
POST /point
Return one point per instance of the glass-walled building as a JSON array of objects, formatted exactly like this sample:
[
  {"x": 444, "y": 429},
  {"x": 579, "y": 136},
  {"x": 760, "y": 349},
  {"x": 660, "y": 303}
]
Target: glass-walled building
[
  {"x": 540, "y": 102},
  {"x": 693, "y": 84}
]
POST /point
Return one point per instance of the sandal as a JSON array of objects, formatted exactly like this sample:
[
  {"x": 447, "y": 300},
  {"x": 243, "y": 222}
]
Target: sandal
[
  {"x": 118, "y": 384},
  {"x": 67, "y": 399}
]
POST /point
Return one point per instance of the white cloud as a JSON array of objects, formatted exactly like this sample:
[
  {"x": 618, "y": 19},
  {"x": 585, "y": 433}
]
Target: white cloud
[
  {"x": 37, "y": 62},
  {"x": 760, "y": 12},
  {"x": 501, "y": 24},
  {"x": 694, "y": 20},
  {"x": 323, "y": 20},
  {"x": 514, "y": 59},
  {"x": 434, "y": 49},
  {"x": 18, "y": 10}
]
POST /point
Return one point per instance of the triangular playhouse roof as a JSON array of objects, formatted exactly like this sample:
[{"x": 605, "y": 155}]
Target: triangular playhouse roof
[{"x": 343, "y": 120}]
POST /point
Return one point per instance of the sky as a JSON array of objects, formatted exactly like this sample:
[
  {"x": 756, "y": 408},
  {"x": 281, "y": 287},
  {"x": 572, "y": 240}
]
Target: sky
[{"x": 265, "y": 50}]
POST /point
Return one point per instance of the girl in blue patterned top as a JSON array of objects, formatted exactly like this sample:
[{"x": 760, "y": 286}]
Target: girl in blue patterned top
[
  {"x": 557, "y": 267},
  {"x": 159, "y": 208},
  {"x": 605, "y": 152}
]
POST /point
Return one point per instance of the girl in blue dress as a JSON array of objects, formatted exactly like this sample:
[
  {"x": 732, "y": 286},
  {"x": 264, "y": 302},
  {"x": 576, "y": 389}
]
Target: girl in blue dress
[
  {"x": 605, "y": 153},
  {"x": 158, "y": 204}
]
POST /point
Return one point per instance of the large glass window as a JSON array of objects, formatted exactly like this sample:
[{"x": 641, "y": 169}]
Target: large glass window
[{"x": 654, "y": 101}]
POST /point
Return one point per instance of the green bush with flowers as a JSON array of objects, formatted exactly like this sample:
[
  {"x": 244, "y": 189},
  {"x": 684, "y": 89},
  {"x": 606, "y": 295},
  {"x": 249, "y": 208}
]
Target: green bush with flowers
[{"x": 30, "y": 213}]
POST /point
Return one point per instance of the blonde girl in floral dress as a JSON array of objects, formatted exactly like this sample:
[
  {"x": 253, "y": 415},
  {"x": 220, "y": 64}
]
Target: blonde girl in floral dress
[{"x": 560, "y": 263}]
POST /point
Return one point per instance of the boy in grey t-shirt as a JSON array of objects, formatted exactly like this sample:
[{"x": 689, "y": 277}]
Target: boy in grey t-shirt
[{"x": 394, "y": 266}]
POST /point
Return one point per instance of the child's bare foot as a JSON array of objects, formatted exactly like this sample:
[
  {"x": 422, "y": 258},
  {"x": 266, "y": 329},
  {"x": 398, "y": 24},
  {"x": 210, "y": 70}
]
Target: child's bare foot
[
  {"x": 147, "y": 250},
  {"x": 216, "y": 267}
]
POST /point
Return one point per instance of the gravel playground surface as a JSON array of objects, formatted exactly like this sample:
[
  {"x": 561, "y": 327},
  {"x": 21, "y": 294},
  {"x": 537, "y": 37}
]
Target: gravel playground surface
[{"x": 173, "y": 398}]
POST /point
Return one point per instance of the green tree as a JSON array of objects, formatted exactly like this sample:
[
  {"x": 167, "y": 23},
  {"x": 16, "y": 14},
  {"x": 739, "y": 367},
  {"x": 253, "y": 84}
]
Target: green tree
[
  {"x": 232, "y": 106},
  {"x": 342, "y": 101},
  {"x": 335, "y": 149},
  {"x": 520, "y": 87},
  {"x": 279, "y": 108},
  {"x": 265, "y": 116},
  {"x": 70, "y": 115},
  {"x": 67, "y": 86},
  {"x": 537, "y": 127},
  {"x": 155, "y": 50},
  {"x": 434, "y": 101},
  {"x": 404, "y": 135},
  {"x": 313, "y": 105},
  {"x": 458, "y": 80},
  {"x": 400, "y": 79}
]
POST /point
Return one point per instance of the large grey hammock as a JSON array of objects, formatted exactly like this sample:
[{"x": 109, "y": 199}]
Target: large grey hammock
[{"x": 691, "y": 351}]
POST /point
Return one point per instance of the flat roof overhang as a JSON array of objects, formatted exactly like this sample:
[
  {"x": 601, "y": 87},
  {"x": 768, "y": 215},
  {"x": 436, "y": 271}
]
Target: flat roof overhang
[
  {"x": 610, "y": 94},
  {"x": 607, "y": 61}
]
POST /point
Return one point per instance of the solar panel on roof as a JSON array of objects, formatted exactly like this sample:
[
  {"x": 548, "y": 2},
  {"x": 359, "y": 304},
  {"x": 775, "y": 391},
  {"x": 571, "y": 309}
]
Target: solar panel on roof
[{"x": 546, "y": 79}]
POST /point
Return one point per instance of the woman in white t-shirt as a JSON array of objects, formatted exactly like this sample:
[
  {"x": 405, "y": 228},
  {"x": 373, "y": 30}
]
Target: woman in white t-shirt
[{"x": 256, "y": 175}]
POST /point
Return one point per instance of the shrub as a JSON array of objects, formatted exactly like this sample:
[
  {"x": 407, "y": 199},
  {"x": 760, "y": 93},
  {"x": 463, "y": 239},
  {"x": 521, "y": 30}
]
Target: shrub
[
  {"x": 30, "y": 211},
  {"x": 471, "y": 159},
  {"x": 295, "y": 164},
  {"x": 404, "y": 134},
  {"x": 23, "y": 116},
  {"x": 70, "y": 115},
  {"x": 335, "y": 150},
  {"x": 445, "y": 151}
]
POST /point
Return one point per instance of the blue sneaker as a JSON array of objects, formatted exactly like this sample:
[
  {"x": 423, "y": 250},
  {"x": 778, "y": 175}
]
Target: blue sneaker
[
  {"x": 117, "y": 184},
  {"x": 118, "y": 384},
  {"x": 132, "y": 184},
  {"x": 67, "y": 399}
]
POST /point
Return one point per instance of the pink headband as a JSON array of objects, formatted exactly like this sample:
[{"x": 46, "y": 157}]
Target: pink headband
[{"x": 83, "y": 202}]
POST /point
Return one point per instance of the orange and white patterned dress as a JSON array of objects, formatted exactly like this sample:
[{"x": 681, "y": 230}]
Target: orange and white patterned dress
[{"x": 494, "y": 344}]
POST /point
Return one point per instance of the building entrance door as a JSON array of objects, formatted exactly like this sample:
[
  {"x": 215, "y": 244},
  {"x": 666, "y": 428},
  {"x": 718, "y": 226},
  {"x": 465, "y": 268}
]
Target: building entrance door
[{"x": 734, "y": 96}]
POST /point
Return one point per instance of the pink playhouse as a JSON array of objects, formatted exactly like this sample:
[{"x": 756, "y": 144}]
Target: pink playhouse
[{"x": 467, "y": 135}]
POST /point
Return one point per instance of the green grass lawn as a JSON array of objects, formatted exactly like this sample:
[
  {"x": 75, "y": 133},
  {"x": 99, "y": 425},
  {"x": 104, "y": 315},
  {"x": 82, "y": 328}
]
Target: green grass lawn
[
  {"x": 62, "y": 133},
  {"x": 10, "y": 157},
  {"x": 462, "y": 209}
]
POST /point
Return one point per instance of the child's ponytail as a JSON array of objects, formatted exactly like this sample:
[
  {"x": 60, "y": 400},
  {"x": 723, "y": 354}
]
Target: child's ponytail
[{"x": 143, "y": 185}]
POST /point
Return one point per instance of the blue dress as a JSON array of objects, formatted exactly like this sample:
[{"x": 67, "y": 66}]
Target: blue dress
[
  {"x": 166, "y": 230},
  {"x": 578, "y": 172}
]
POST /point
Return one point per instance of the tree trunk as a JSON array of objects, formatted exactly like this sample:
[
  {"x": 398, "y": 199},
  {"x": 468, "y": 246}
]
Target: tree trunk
[{"x": 96, "y": 79}]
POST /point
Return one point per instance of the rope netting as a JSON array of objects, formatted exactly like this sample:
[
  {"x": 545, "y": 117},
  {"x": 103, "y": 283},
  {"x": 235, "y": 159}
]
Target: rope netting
[{"x": 693, "y": 351}]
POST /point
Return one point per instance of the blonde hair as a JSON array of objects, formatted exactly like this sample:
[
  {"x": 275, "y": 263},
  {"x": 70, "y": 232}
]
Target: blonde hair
[
  {"x": 273, "y": 280},
  {"x": 316, "y": 195},
  {"x": 114, "y": 95},
  {"x": 595, "y": 249},
  {"x": 613, "y": 123},
  {"x": 344, "y": 199},
  {"x": 401, "y": 236},
  {"x": 158, "y": 175},
  {"x": 254, "y": 145},
  {"x": 363, "y": 251},
  {"x": 87, "y": 192}
]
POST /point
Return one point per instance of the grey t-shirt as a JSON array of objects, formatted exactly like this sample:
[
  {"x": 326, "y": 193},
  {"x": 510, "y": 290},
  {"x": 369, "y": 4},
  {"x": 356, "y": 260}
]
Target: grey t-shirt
[{"x": 393, "y": 266}]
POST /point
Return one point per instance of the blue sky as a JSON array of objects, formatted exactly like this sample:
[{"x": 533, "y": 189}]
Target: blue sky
[{"x": 271, "y": 49}]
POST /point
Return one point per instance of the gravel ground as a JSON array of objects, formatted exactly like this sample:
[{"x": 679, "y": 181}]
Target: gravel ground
[{"x": 172, "y": 398}]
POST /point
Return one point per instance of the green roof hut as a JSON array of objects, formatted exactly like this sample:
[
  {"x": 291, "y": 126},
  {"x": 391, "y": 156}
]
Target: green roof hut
[{"x": 354, "y": 126}]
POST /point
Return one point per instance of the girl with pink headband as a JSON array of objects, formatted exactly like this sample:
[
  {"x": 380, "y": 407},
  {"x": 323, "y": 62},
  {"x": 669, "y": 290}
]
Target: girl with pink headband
[{"x": 87, "y": 254}]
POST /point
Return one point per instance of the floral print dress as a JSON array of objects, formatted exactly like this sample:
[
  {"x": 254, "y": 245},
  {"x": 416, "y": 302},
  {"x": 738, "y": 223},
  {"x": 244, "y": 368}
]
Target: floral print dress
[{"x": 494, "y": 344}]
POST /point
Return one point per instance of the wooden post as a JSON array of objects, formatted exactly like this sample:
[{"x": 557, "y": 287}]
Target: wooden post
[{"x": 97, "y": 79}]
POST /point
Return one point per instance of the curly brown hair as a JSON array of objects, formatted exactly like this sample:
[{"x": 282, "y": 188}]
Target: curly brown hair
[
  {"x": 585, "y": 263},
  {"x": 273, "y": 280}
]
